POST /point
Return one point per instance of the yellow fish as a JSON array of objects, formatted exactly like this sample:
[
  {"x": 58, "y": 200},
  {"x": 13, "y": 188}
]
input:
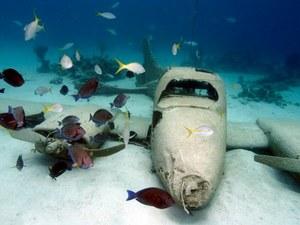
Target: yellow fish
[
  {"x": 133, "y": 67},
  {"x": 203, "y": 130},
  {"x": 53, "y": 108}
]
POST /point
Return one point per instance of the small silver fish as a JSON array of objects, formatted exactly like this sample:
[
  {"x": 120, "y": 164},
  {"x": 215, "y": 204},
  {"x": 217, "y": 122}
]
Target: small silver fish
[{"x": 42, "y": 90}]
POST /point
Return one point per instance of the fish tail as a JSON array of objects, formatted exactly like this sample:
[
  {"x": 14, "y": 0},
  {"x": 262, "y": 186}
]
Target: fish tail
[
  {"x": 190, "y": 131},
  {"x": 131, "y": 195},
  {"x": 76, "y": 97},
  {"x": 121, "y": 66},
  {"x": 99, "y": 14},
  {"x": 111, "y": 105},
  {"x": 1, "y": 75},
  {"x": 91, "y": 117},
  {"x": 45, "y": 109}
]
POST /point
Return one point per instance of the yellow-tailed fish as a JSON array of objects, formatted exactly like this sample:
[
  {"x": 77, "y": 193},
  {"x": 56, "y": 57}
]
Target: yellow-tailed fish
[
  {"x": 175, "y": 48},
  {"x": 53, "y": 108},
  {"x": 203, "y": 131},
  {"x": 33, "y": 28},
  {"x": 107, "y": 15},
  {"x": 133, "y": 67}
]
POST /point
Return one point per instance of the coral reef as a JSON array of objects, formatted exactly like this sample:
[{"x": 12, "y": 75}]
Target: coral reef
[{"x": 40, "y": 52}]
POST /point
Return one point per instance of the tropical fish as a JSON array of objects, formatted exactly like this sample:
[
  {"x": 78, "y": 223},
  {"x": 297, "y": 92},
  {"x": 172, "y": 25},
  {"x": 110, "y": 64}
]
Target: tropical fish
[
  {"x": 2, "y": 90},
  {"x": 70, "y": 132},
  {"x": 191, "y": 43},
  {"x": 87, "y": 89},
  {"x": 33, "y": 28},
  {"x": 115, "y": 5},
  {"x": 18, "y": 23},
  {"x": 101, "y": 116},
  {"x": 133, "y": 67},
  {"x": 153, "y": 197},
  {"x": 80, "y": 156},
  {"x": 67, "y": 46},
  {"x": 175, "y": 48},
  {"x": 69, "y": 120},
  {"x": 8, "y": 121},
  {"x": 112, "y": 32},
  {"x": 126, "y": 130},
  {"x": 99, "y": 138},
  {"x": 42, "y": 90},
  {"x": 231, "y": 20},
  {"x": 12, "y": 77},
  {"x": 64, "y": 90},
  {"x": 119, "y": 101},
  {"x": 66, "y": 62},
  {"x": 77, "y": 55},
  {"x": 20, "y": 163},
  {"x": 53, "y": 108},
  {"x": 58, "y": 169},
  {"x": 107, "y": 15},
  {"x": 19, "y": 115},
  {"x": 204, "y": 131},
  {"x": 98, "y": 69}
]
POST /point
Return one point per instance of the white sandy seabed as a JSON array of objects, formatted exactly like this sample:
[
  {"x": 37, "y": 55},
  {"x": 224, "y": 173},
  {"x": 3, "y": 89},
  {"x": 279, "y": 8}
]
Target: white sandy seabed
[{"x": 249, "y": 193}]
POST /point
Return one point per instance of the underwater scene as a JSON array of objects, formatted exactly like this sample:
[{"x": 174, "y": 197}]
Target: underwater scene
[{"x": 124, "y": 112}]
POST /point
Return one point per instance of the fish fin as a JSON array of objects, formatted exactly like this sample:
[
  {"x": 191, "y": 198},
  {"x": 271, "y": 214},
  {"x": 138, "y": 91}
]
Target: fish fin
[
  {"x": 190, "y": 131},
  {"x": 2, "y": 89},
  {"x": 76, "y": 97},
  {"x": 111, "y": 105},
  {"x": 59, "y": 123},
  {"x": 178, "y": 46},
  {"x": 121, "y": 66},
  {"x": 46, "y": 109},
  {"x": 91, "y": 117},
  {"x": 131, "y": 195},
  {"x": 10, "y": 109}
]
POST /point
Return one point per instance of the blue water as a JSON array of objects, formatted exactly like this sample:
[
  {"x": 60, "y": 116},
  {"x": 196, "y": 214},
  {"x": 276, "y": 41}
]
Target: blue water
[{"x": 266, "y": 27}]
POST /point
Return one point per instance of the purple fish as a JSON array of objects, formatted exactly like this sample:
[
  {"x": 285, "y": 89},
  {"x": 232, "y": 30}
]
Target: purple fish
[
  {"x": 119, "y": 101},
  {"x": 19, "y": 115},
  {"x": 152, "y": 196},
  {"x": 101, "y": 116},
  {"x": 12, "y": 77},
  {"x": 71, "y": 132},
  {"x": 87, "y": 89},
  {"x": 7, "y": 120}
]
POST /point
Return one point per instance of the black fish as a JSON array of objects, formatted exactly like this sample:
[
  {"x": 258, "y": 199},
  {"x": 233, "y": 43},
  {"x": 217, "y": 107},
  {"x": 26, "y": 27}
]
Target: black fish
[
  {"x": 101, "y": 116},
  {"x": 64, "y": 90},
  {"x": 69, "y": 120},
  {"x": 58, "y": 169},
  {"x": 12, "y": 77},
  {"x": 87, "y": 89},
  {"x": 99, "y": 138},
  {"x": 20, "y": 163},
  {"x": 119, "y": 101},
  {"x": 2, "y": 90},
  {"x": 129, "y": 74},
  {"x": 8, "y": 121}
]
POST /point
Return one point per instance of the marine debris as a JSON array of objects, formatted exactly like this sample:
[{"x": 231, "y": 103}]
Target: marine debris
[
  {"x": 40, "y": 52},
  {"x": 153, "y": 71}
]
